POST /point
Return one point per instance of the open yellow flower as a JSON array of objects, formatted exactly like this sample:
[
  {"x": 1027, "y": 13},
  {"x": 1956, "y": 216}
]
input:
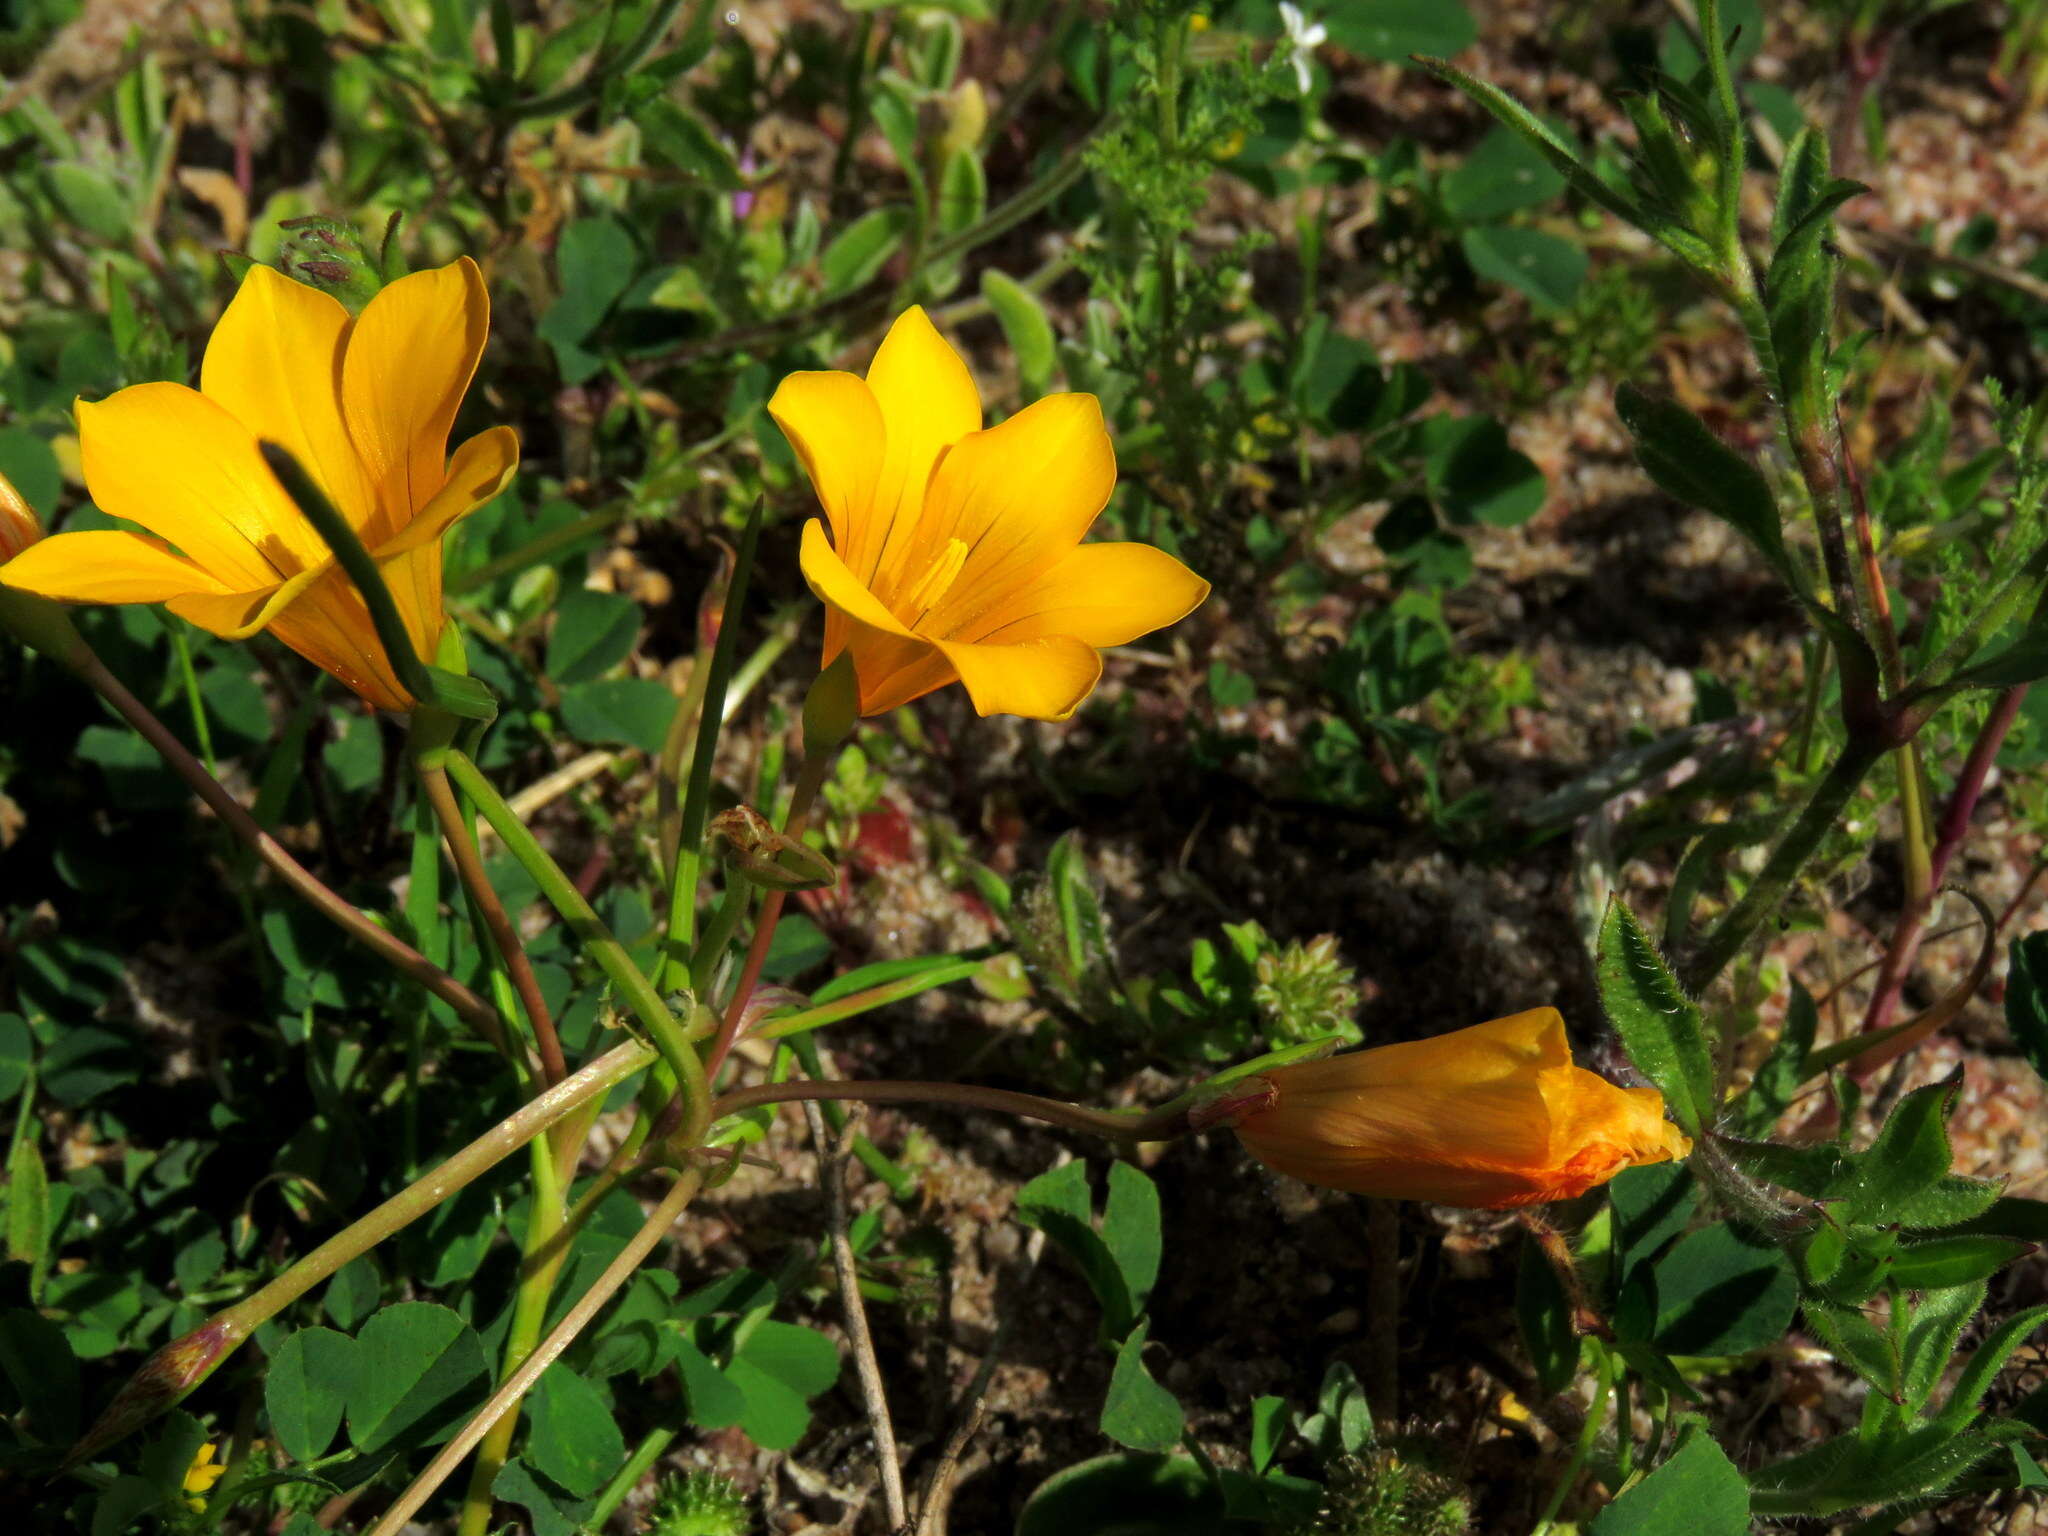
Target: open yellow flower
[
  {"x": 1495, "y": 1115},
  {"x": 955, "y": 554},
  {"x": 201, "y": 1476},
  {"x": 365, "y": 404}
]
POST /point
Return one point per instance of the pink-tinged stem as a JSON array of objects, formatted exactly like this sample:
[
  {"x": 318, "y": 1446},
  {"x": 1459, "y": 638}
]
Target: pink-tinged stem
[{"x": 1953, "y": 827}]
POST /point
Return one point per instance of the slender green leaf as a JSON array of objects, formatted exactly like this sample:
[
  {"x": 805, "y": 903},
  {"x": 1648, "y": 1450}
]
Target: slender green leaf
[{"x": 1659, "y": 1025}]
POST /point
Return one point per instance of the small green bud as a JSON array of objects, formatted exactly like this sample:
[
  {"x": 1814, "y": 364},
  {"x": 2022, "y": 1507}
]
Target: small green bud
[
  {"x": 1305, "y": 990},
  {"x": 1396, "y": 1487},
  {"x": 699, "y": 1504},
  {"x": 330, "y": 255}
]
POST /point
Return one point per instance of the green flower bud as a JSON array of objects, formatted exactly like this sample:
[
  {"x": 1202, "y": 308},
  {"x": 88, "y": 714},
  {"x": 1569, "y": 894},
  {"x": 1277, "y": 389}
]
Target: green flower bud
[{"x": 330, "y": 255}]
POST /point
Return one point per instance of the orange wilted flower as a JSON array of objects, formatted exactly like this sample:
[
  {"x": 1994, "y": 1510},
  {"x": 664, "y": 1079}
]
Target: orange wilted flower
[
  {"x": 954, "y": 553},
  {"x": 365, "y": 404},
  {"x": 1495, "y": 1115}
]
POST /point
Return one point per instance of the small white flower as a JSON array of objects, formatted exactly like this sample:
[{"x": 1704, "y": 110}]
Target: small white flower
[{"x": 1303, "y": 38}]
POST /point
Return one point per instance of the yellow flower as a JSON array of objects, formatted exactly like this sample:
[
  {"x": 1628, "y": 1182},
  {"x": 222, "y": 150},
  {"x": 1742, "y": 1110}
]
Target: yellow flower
[
  {"x": 1495, "y": 1115},
  {"x": 365, "y": 404},
  {"x": 955, "y": 554},
  {"x": 201, "y": 1476}
]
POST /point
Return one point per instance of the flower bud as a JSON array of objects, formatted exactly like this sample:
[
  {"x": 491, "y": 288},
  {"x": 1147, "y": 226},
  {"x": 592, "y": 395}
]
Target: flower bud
[
  {"x": 757, "y": 853},
  {"x": 160, "y": 1384},
  {"x": 329, "y": 254},
  {"x": 19, "y": 526},
  {"x": 1491, "y": 1116}
]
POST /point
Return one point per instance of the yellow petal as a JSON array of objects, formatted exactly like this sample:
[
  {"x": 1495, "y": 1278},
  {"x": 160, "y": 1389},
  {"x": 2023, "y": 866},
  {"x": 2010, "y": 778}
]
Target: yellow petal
[
  {"x": 274, "y": 364},
  {"x": 1038, "y": 679},
  {"x": 1020, "y": 496},
  {"x": 408, "y": 361},
  {"x": 104, "y": 566},
  {"x": 330, "y": 627},
  {"x": 928, "y": 402},
  {"x": 891, "y": 665},
  {"x": 835, "y": 426},
  {"x": 167, "y": 458},
  {"x": 1104, "y": 594},
  {"x": 238, "y": 615},
  {"x": 411, "y": 563}
]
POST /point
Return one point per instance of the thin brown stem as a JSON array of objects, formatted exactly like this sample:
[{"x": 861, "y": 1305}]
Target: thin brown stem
[
  {"x": 1160, "y": 1125},
  {"x": 859, "y": 1339},
  {"x": 809, "y": 778},
  {"x": 393, "y": 950},
  {"x": 469, "y": 868}
]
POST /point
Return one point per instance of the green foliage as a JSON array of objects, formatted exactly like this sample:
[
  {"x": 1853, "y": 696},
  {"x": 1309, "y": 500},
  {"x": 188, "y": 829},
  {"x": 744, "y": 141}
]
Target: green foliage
[{"x": 699, "y": 1504}]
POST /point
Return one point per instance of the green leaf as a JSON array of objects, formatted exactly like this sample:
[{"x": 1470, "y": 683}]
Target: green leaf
[
  {"x": 1945, "y": 1261},
  {"x": 1721, "y": 1293},
  {"x": 1698, "y": 1491},
  {"x": 572, "y": 1438},
  {"x": 1130, "y": 1230},
  {"x": 859, "y": 251},
  {"x": 28, "y": 1202},
  {"x": 1138, "y": 1412},
  {"x": 1778, "y": 1080},
  {"x": 1057, "y": 1202},
  {"x": 1544, "y": 1313},
  {"x": 1549, "y": 270},
  {"x": 92, "y": 200},
  {"x": 1910, "y": 1155},
  {"x": 43, "y": 1373},
  {"x": 1989, "y": 1359},
  {"x": 2026, "y": 998},
  {"x": 307, "y": 1389},
  {"x": 421, "y": 1369},
  {"x": 1502, "y": 176},
  {"x": 1395, "y": 29},
  {"x": 678, "y": 136},
  {"x": 619, "y": 711},
  {"x": 1026, "y": 327},
  {"x": 593, "y": 632},
  {"x": 1652, "y": 1205},
  {"x": 1125, "y": 1495},
  {"x": 516, "y": 1484},
  {"x": 714, "y": 1401},
  {"x": 29, "y": 462},
  {"x": 1868, "y": 1350},
  {"x": 1477, "y": 476},
  {"x": 352, "y": 1294},
  {"x": 595, "y": 261},
  {"x": 963, "y": 192},
  {"x": 1691, "y": 464},
  {"x": 1269, "y": 1428},
  {"x": 1659, "y": 1025}
]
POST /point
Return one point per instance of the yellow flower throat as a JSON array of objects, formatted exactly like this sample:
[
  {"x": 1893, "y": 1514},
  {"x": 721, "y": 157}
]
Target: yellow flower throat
[{"x": 937, "y": 579}]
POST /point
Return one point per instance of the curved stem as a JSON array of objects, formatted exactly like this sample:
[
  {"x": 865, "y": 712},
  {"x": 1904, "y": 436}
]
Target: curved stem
[
  {"x": 1596, "y": 1417},
  {"x": 550, "y": 1349},
  {"x": 469, "y": 867},
  {"x": 1159, "y": 1125},
  {"x": 394, "y": 951}
]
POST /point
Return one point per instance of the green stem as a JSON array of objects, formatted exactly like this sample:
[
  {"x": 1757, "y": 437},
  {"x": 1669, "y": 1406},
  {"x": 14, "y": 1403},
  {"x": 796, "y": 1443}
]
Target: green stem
[
  {"x": 1786, "y": 860},
  {"x": 544, "y": 1355},
  {"x": 819, "y": 1015},
  {"x": 541, "y": 1260},
  {"x": 539, "y": 548},
  {"x": 696, "y": 806},
  {"x": 1589, "y": 1435},
  {"x": 627, "y": 1478},
  {"x": 597, "y": 940}
]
